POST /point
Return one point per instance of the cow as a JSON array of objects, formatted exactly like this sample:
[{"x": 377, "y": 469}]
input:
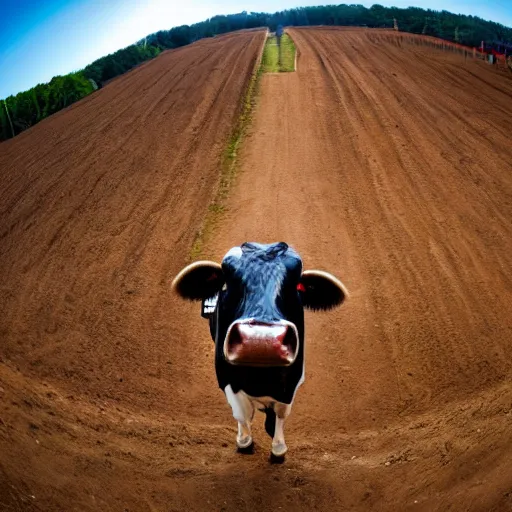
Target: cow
[{"x": 255, "y": 304}]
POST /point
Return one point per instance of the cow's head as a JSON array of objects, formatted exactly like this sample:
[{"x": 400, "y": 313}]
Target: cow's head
[{"x": 259, "y": 293}]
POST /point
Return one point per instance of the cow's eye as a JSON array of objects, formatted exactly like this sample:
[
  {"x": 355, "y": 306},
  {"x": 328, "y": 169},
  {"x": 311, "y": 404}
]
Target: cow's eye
[{"x": 293, "y": 268}]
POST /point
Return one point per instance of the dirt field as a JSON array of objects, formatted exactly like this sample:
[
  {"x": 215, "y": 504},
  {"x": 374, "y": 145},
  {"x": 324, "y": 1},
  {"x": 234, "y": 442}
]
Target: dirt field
[{"x": 388, "y": 165}]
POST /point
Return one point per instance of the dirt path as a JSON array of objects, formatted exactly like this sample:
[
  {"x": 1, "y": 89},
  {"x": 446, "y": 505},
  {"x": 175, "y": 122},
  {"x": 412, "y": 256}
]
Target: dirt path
[
  {"x": 383, "y": 165},
  {"x": 387, "y": 165}
]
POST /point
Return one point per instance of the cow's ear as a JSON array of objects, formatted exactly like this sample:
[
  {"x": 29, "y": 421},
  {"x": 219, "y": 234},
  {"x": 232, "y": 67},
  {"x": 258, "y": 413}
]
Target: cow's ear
[
  {"x": 321, "y": 290},
  {"x": 198, "y": 281}
]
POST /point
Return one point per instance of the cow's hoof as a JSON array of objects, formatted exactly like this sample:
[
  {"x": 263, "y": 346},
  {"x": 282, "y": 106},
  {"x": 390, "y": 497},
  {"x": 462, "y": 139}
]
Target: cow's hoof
[
  {"x": 246, "y": 450},
  {"x": 279, "y": 449},
  {"x": 276, "y": 459},
  {"x": 245, "y": 444}
]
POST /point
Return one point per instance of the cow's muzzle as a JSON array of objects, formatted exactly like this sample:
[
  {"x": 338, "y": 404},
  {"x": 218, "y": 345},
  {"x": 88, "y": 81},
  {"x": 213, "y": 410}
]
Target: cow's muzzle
[{"x": 252, "y": 343}]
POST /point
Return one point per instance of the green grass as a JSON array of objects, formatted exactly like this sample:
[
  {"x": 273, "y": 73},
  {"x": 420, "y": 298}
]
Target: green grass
[
  {"x": 270, "y": 60},
  {"x": 271, "y": 63},
  {"x": 287, "y": 54}
]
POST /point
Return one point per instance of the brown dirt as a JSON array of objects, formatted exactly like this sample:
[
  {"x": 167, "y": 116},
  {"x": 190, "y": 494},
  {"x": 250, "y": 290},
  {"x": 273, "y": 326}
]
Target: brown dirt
[{"x": 385, "y": 163}]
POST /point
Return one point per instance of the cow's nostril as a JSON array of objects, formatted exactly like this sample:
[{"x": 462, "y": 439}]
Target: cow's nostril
[
  {"x": 290, "y": 340},
  {"x": 236, "y": 337}
]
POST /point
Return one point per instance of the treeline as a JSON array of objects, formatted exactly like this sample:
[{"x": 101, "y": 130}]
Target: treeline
[
  {"x": 19, "y": 112},
  {"x": 117, "y": 63},
  {"x": 467, "y": 30}
]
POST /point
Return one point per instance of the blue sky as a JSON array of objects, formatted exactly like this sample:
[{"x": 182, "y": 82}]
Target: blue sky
[{"x": 43, "y": 38}]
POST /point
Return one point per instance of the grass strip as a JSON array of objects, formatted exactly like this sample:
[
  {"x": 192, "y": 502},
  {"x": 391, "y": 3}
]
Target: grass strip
[
  {"x": 278, "y": 56},
  {"x": 287, "y": 54},
  {"x": 270, "y": 59}
]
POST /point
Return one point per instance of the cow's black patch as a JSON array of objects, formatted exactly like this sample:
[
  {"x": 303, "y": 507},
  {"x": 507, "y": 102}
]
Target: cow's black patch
[
  {"x": 260, "y": 284},
  {"x": 270, "y": 421},
  {"x": 248, "y": 450}
]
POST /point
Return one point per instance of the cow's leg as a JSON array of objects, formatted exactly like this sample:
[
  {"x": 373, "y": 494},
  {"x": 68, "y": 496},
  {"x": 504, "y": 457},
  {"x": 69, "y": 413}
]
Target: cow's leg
[
  {"x": 282, "y": 411},
  {"x": 243, "y": 412}
]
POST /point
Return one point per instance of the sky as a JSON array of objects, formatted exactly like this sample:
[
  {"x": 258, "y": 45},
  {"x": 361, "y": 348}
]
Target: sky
[{"x": 40, "y": 39}]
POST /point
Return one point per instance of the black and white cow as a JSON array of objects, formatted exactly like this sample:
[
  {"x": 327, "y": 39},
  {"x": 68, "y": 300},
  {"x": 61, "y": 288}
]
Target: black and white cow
[{"x": 255, "y": 303}]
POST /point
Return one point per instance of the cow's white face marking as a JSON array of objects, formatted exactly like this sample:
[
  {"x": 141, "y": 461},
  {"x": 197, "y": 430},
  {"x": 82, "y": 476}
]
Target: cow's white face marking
[
  {"x": 279, "y": 284},
  {"x": 235, "y": 252}
]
